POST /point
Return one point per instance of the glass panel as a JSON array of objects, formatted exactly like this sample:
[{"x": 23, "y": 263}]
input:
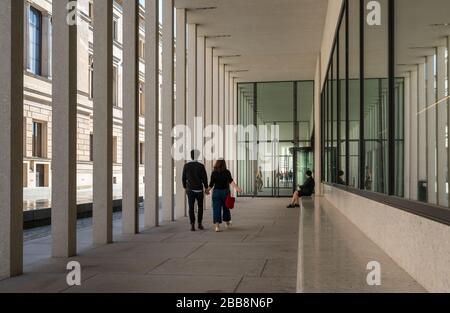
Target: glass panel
[
  {"x": 329, "y": 154},
  {"x": 399, "y": 136},
  {"x": 275, "y": 109},
  {"x": 246, "y": 166},
  {"x": 341, "y": 179},
  {"x": 35, "y": 41},
  {"x": 285, "y": 162},
  {"x": 37, "y": 140},
  {"x": 265, "y": 177},
  {"x": 335, "y": 117},
  {"x": 305, "y": 111},
  {"x": 276, "y": 106},
  {"x": 354, "y": 91},
  {"x": 376, "y": 102}
]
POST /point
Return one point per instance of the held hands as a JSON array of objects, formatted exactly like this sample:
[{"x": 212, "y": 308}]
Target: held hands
[{"x": 208, "y": 191}]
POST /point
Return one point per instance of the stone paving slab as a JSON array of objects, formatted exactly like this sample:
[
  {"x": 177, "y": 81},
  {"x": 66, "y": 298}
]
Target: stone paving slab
[{"x": 133, "y": 283}]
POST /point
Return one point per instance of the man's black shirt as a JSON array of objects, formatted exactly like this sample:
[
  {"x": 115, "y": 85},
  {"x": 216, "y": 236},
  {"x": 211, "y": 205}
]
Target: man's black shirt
[{"x": 194, "y": 176}]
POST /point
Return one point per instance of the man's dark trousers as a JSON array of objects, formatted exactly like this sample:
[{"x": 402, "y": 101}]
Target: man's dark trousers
[{"x": 192, "y": 197}]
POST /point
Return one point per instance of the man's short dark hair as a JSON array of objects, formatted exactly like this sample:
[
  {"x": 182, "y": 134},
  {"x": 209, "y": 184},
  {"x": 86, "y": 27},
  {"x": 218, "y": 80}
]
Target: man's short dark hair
[
  {"x": 308, "y": 173},
  {"x": 341, "y": 173},
  {"x": 195, "y": 154}
]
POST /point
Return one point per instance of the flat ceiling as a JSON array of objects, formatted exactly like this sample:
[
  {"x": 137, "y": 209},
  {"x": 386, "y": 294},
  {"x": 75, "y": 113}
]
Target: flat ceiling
[
  {"x": 420, "y": 27},
  {"x": 277, "y": 40}
]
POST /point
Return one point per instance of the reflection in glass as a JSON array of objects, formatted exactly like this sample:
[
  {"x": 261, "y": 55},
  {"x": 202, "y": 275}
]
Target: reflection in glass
[{"x": 422, "y": 76}]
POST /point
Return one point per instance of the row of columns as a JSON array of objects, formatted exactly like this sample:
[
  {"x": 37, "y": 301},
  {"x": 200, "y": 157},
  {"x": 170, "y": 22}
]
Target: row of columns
[
  {"x": 205, "y": 89},
  {"x": 428, "y": 116}
]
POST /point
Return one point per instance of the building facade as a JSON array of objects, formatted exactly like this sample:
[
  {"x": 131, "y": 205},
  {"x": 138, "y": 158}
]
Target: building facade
[{"x": 38, "y": 94}]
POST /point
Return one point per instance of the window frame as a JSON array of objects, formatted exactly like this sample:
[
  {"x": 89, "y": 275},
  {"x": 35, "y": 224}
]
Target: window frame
[{"x": 31, "y": 60}]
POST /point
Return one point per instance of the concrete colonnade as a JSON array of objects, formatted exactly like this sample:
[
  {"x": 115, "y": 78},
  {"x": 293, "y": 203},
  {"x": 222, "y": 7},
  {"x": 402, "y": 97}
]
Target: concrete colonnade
[{"x": 205, "y": 89}]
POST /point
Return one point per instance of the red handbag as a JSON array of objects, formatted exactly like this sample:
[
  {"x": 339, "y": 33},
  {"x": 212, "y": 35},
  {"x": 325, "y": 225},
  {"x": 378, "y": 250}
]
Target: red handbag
[{"x": 229, "y": 202}]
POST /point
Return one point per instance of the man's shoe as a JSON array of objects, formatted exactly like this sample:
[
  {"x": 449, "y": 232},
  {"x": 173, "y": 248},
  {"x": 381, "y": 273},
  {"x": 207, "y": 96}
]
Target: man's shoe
[
  {"x": 290, "y": 206},
  {"x": 192, "y": 227},
  {"x": 200, "y": 226},
  {"x": 297, "y": 205}
]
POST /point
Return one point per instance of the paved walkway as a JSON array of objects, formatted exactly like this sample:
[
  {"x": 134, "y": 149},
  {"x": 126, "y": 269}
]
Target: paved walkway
[{"x": 261, "y": 253}]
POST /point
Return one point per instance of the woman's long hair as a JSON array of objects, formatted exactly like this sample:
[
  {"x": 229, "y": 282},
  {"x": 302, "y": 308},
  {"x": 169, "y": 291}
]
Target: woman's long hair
[{"x": 220, "y": 166}]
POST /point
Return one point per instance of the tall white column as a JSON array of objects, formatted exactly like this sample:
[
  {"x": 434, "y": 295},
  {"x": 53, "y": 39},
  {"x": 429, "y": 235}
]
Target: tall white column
[
  {"x": 431, "y": 131},
  {"x": 192, "y": 82},
  {"x": 226, "y": 96},
  {"x": 215, "y": 90},
  {"x": 235, "y": 122},
  {"x": 167, "y": 107},
  {"x": 216, "y": 113},
  {"x": 180, "y": 108},
  {"x": 151, "y": 209},
  {"x": 414, "y": 136},
  {"x": 201, "y": 95},
  {"x": 230, "y": 97},
  {"x": 130, "y": 163},
  {"x": 441, "y": 128},
  {"x": 208, "y": 107},
  {"x": 201, "y": 76},
  {"x": 231, "y": 145},
  {"x": 226, "y": 109},
  {"x": 103, "y": 111},
  {"x": 422, "y": 123},
  {"x": 209, "y": 95},
  {"x": 64, "y": 134},
  {"x": 222, "y": 108},
  {"x": 11, "y": 138}
]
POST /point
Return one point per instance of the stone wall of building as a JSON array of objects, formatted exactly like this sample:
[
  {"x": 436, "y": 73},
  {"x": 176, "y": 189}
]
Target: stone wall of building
[{"x": 38, "y": 104}]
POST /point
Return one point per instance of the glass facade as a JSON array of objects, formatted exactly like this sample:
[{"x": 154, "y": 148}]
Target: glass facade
[
  {"x": 273, "y": 158},
  {"x": 385, "y": 100}
]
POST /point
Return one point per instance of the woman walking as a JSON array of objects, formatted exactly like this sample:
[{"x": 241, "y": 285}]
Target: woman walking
[{"x": 221, "y": 180}]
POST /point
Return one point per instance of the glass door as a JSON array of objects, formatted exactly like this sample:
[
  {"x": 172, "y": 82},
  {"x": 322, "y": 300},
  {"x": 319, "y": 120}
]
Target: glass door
[
  {"x": 275, "y": 171},
  {"x": 284, "y": 111},
  {"x": 265, "y": 180},
  {"x": 304, "y": 163},
  {"x": 286, "y": 170}
]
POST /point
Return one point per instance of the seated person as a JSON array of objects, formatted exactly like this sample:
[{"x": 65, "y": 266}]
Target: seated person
[
  {"x": 340, "y": 179},
  {"x": 306, "y": 190}
]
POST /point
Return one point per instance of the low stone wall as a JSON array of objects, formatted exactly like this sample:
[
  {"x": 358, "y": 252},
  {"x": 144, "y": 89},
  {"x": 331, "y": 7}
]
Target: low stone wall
[{"x": 419, "y": 245}]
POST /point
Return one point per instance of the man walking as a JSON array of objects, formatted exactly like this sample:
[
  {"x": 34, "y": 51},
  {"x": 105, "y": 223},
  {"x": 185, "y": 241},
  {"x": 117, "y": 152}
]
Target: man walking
[{"x": 195, "y": 181}]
